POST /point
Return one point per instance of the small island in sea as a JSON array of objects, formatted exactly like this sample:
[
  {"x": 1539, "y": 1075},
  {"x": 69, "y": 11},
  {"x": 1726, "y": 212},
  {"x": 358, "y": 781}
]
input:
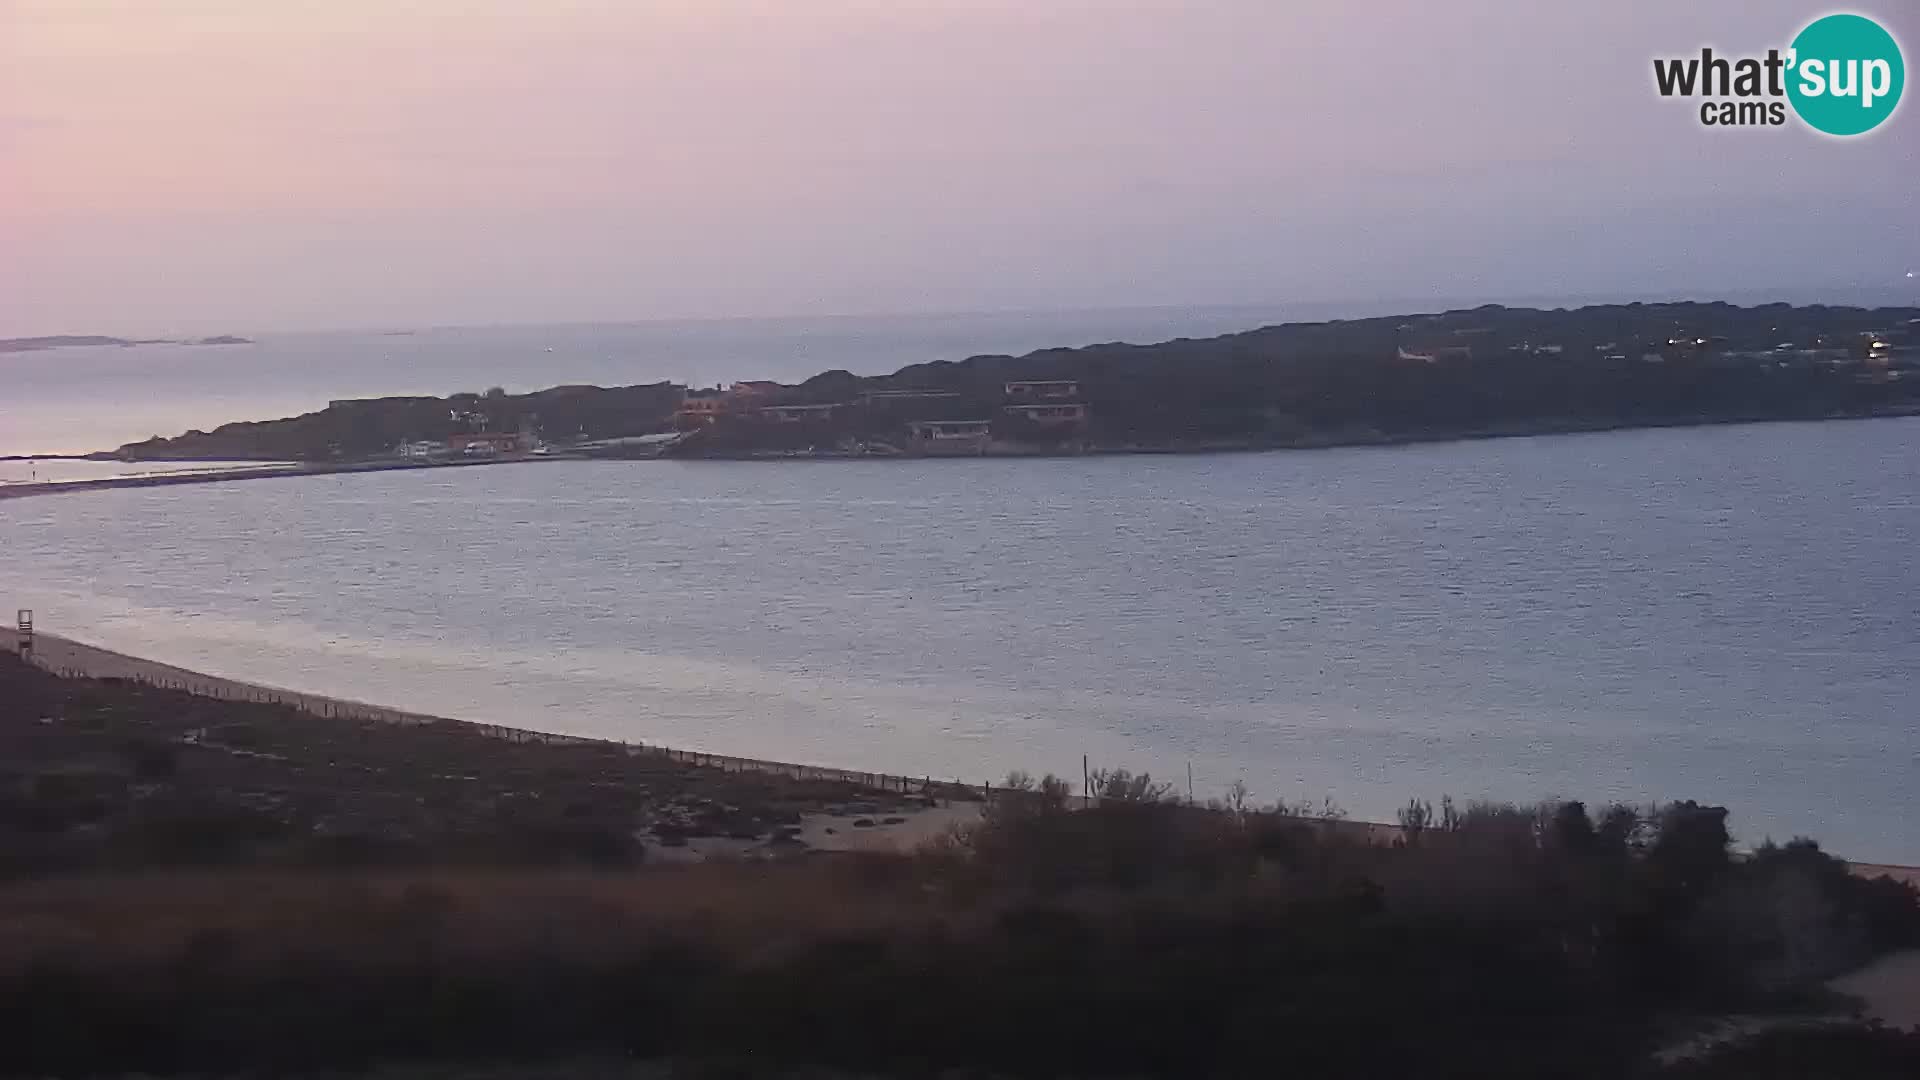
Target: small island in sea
[
  {"x": 64, "y": 341},
  {"x": 1482, "y": 372}
]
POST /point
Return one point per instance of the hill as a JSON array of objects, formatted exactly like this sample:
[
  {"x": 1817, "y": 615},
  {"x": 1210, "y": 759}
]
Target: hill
[{"x": 1485, "y": 371}]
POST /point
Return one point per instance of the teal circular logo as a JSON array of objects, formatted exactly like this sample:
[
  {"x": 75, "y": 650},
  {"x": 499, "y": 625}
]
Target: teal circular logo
[{"x": 1846, "y": 75}]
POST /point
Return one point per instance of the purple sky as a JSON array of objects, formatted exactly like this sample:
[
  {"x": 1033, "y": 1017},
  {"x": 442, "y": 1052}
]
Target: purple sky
[{"x": 213, "y": 165}]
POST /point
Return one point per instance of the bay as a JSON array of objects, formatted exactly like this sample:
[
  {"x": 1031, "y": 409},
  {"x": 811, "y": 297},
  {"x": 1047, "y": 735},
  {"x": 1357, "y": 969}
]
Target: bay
[{"x": 1725, "y": 613}]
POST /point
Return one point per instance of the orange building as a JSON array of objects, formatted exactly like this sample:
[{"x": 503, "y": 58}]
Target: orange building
[{"x": 699, "y": 408}]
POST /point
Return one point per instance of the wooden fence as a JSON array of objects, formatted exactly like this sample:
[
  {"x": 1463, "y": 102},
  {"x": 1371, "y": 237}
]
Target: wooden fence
[{"x": 232, "y": 690}]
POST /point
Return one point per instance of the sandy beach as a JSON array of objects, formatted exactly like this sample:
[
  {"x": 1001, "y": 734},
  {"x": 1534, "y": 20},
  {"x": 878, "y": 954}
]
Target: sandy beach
[
  {"x": 1887, "y": 990},
  {"x": 67, "y": 657},
  {"x": 886, "y": 825},
  {"x": 826, "y": 831}
]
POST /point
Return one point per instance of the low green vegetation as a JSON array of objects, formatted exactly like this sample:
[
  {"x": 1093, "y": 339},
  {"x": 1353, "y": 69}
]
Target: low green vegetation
[
  {"x": 372, "y": 427},
  {"x": 1137, "y": 936}
]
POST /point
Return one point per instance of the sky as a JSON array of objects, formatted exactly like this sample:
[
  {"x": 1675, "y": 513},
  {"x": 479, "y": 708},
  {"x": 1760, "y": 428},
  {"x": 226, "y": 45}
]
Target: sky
[{"x": 205, "y": 166}]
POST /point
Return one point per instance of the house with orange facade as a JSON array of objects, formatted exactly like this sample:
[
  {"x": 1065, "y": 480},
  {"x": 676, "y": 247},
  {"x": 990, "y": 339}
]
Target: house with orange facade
[{"x": 699, "y": 408}]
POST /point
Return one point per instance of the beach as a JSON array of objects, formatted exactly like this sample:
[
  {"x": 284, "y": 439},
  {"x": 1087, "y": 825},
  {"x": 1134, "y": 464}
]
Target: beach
[
  {"x": 831, "y": 831},
  {"x": 902, "y": 813},
  {"x": 897, "y": 815}
]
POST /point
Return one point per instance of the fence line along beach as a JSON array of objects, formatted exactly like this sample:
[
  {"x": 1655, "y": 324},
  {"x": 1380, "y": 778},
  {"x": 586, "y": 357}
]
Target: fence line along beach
[{"x": 74, "y": 659}]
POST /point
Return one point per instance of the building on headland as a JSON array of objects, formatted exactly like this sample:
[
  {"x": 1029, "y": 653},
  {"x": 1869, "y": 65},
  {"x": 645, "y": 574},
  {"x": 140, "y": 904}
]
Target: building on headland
[
  {"x": 950, "y": 436},
  {"x": 487, "y": 443},
  {"x": 796, "y": 414},
  {"x": 1055, "y": 414},
  {"x": 699, "y": 408},
  {"x": 891, "y": 400},
  {"x": 754, "y": 390},
  {"x": 1438, "y": 355},
  {"x": 1043, "y": 390},
  {"x": 421, "y": 449}
]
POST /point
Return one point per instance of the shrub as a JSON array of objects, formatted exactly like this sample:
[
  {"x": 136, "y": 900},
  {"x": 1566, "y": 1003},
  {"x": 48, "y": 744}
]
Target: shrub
[
  {"x": 1119, "y": 785},
  {"x": 151, "y": 759},
  {"x": 180, "y": 830}
]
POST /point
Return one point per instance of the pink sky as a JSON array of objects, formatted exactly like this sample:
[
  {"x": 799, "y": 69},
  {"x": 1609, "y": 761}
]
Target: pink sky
[{"x": 212, "y": 165}]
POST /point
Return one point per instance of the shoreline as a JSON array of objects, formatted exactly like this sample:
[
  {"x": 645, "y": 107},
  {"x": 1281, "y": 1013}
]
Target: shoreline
[
  {"x": 1332, "y": 442},
  {"x": 69, "y": 658},
  {"x": 263, "y": 472}
]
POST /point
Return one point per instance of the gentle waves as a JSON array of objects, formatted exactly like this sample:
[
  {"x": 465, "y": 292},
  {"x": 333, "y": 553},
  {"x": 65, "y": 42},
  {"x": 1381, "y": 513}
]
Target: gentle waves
[{"x": 1725, "y": 614}]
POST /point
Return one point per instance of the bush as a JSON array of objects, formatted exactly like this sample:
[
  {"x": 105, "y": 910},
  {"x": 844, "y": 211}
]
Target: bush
[
  {"x": 192, "y": 831},
  {"x": 151, "y": 759},
  {"x": 1120, "y": 785}
]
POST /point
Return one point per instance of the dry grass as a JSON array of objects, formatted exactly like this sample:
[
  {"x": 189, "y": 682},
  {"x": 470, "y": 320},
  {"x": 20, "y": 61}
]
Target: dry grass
[{"x": 141, "y": 919}]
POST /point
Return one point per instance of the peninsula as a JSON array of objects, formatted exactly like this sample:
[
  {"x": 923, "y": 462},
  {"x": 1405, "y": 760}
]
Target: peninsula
[
  {"x": 1486, "y": 371},
  {"x": 63, "y": 341}
]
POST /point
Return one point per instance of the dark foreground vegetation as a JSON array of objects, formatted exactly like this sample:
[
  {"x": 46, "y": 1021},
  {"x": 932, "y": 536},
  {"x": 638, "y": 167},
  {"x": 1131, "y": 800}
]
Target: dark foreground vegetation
[
  {"x": 1489, "y": 370},
  {"x": 1140, "y": 937}
]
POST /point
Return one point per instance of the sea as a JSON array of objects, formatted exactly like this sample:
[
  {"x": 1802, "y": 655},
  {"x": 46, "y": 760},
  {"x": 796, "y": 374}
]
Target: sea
[{"x": 1729, "y": 614}]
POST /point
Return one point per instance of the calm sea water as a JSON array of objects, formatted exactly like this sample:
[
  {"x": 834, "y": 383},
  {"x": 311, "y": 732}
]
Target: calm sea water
[{"x": 1726, "y": 614}]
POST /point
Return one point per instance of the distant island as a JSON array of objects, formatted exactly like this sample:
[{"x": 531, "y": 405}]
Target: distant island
[
  {"x": 1483, "y": 372},
  {"x": 62, "y": 341}
]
